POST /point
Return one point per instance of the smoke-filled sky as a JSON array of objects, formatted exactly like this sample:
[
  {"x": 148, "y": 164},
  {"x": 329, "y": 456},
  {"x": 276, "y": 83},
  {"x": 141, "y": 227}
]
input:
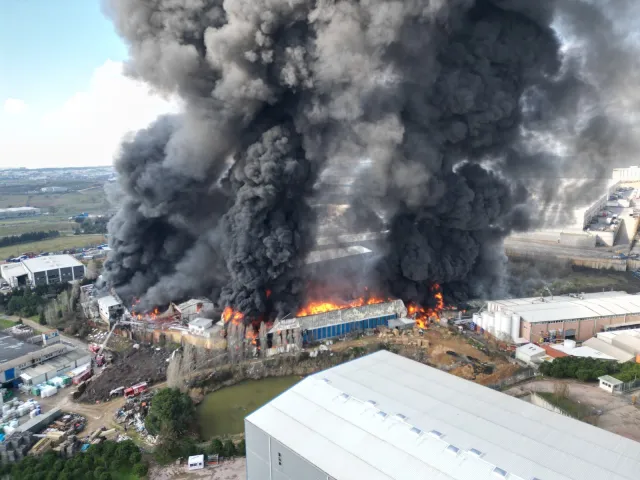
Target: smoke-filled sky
[{"x": 445, "y": 117}]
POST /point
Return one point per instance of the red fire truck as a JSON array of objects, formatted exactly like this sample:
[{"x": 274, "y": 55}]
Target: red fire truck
[{"x": 136, "y": 390}]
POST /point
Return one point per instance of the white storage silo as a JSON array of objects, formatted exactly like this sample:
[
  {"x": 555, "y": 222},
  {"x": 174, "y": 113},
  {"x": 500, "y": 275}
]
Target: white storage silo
[
  {"x": 490, "y": 323},
  {"x": 497, "y": 327},
  {"x": 476, "y": 319},
  {"x": 515, "y": 326},
  {"x": 505, "y": 326}
]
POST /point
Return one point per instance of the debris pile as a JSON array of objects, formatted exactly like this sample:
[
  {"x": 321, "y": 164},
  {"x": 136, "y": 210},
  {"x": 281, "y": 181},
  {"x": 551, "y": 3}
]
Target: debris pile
[
  {"x": 133, "y": 413},
  {"x": 15, "y": 446},
  {"x": 144, "y": 364}
]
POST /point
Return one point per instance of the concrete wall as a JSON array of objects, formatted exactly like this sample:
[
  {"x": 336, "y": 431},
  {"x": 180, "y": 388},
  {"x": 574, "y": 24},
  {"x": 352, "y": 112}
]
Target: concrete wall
[
  {"x": 538, "y": 401},
  {"x": 578, "y": 240}
]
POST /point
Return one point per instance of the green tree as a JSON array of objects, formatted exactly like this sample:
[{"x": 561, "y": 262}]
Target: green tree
[
  {"x": 228, "y": 449},
  {"x": 172, "y": 413},
  {"x": 41, "y": 319},
  {"x": 140, "y": 469},
  {"x": 216, "y": 446},
  {"x": 241, "y": 448}
]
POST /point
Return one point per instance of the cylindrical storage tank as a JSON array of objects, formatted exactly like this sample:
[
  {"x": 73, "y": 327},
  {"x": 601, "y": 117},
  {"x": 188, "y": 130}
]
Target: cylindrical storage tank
[
  {"x": 505, "y": 326},
  {"x": 515, "y": 326},
  {"x": 476, "y": 318},
  {"x": 486, "y": 321},
  {"x": 569, "y": 344},
  {"x": 497, "y": 324}
]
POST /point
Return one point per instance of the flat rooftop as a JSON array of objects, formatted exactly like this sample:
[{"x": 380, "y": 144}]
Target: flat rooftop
[
  {"x": 108, "y": 301},
  {"x": 54, "y": 364},
  {"x": 50, "y": 262},
  {"x": 12, "y": 348},
  {"x": 33, "y": 355},
  {"x": 384, "y": 417},
  {"x": 563, "y": 307}
]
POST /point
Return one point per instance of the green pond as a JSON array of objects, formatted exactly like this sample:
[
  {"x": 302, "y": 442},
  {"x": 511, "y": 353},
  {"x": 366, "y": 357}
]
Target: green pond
[{"x": 222, "y": 412}]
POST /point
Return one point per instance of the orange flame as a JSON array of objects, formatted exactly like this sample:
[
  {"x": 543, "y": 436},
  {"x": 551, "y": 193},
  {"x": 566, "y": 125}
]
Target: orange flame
[
  {"x": 422, "y": 314},
  {"x": 231, "y": 315},
  {"x": 314, "y": 308},
  {"x": 251, "y": 335},
  {"x": 268, "y": 293}
]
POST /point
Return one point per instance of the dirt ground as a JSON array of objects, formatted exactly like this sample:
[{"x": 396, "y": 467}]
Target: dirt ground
[
  {"x": 442, "y": 349},
  {"x": 232, "y": 470},
  {"x": 618, "y": 414},
  {"x": 146, "y": 364}
]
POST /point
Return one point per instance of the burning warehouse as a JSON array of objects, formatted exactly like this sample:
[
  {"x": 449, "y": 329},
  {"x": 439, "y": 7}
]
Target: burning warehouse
[{"x": 335, "y": 323}]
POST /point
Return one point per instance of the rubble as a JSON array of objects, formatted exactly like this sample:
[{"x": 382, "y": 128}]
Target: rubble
[
  {"x": 15, "y": 446},
  {"x": 133, "y": 413},
  {"x": 144, "y": 364}
]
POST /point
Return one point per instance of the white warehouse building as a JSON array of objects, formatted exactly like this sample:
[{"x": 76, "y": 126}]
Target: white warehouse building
[
  {"x": 53, "y": 269},
  {"x": 385, "y": 417}
]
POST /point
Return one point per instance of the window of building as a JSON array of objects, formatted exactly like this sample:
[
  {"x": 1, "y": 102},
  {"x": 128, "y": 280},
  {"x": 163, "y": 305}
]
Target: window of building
[{"x": 279, "y": 459}]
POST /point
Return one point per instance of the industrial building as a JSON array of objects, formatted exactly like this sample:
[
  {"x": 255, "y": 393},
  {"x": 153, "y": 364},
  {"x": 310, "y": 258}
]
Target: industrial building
[
  {"x": 544, "y": 319},
  {"x": 191, "y": 308},
  {"x": 53, "y": 269},
  {"x": 623, "y": 345},
  {"x": 336, "y": 323},
  {"x": 385, "y": 417},
  {"x": 18, "y": 212},
  {"x": 54, "y": 367},
  {"x": 43, "y": 270},
  {"x": 10, "y": 370},
  {"x": 110, "y": 308}
]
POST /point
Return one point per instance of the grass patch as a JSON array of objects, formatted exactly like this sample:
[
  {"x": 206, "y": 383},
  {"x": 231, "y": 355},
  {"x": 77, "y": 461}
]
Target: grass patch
[
  {"x": 5, "y": 323},
  {"x": 573, "y": 408},
  {"x": 52, "y": 245},
  {"x": 10, "y": 227},
  {"x": 92, "y": 200}
]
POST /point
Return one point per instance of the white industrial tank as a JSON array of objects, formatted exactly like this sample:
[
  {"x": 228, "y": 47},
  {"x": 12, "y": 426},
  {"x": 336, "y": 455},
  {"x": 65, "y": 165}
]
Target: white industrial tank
[
  {"x": 491, "y": 321},
  {"x": 505, "y": 326},
  {"x": 515, "y": 327},
  {"x": 497, "y": 324},
  {"x": 476, "y": 319}
]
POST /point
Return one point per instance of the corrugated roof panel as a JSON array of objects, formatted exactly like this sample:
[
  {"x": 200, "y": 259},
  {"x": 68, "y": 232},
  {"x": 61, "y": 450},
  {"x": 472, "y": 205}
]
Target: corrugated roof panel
[{"x": 520, "y": 438}]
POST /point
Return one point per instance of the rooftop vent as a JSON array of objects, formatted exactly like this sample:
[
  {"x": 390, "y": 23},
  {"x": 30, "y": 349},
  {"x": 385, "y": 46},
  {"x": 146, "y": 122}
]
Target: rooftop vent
[
  {"x": 345, "y": 396},
  {"x": 475, "y": 452},
  {"x": 416, "y": 430},
  {"x": 500, "y": 473},
  {"x": 382, "y": 414},
  {"x": 372, "y": 403},
  {"x": 435, "y": 434},
  {"x": 326, "y": 380},
  {"x": 401, "y": 416},
  {"x": 453, "y": 449}
]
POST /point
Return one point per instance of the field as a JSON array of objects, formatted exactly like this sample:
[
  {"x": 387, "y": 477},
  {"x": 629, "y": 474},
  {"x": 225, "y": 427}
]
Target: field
[
  {"x": 52, "y": 245},
  {"x": 5, "y": 323},
  {"x": 91, "y": 200},
  {"x": 18, "y": 226}
]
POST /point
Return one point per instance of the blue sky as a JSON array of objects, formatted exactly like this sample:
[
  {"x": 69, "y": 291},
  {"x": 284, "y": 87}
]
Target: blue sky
[
  {"x": 64, "y": 100},
  {"x": 49, "y": 48}
]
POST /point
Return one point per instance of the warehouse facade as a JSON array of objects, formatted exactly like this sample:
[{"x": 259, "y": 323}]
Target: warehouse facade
[
  {"x": 545, "y": 319},
  {"x": 383, "y": 417},
  {"x": 337, "y": 323},
  {"x": 53, "y": 269}
]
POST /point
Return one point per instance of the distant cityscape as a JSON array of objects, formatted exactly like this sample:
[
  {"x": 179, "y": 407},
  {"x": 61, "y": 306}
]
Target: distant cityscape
[{"x": 51, "y": 174}]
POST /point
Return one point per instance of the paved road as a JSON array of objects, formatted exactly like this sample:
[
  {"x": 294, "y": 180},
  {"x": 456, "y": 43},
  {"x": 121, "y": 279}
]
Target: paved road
[{"x": 66, "y": 339}]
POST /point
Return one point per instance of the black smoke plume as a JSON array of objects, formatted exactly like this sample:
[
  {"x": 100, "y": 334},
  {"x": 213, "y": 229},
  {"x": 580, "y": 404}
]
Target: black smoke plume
[{"x": 429, "y": 112}]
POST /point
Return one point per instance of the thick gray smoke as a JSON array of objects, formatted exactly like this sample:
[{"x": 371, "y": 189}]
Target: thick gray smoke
[{"x": 439, "y": 99}]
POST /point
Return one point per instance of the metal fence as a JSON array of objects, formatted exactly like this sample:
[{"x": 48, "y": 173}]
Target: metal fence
[{"x": 630, "y": 386}]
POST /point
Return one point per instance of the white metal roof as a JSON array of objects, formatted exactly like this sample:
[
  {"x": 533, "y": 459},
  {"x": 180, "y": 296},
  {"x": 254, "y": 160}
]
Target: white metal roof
[
  {"x": 317, "y": 256},
  {"x": 201, "y": 322},
  {"x": 108, "y": 301},
  {"x": 611, "y": 380},
  {"x": 13, "y": 270},
  {"x": 538, "y": 310},
  {"x": 583, "y": 351},
  {"x": 50, "y": 262},
  {"x": 530, "y": 349},
  {"x": 384, "y": 417},
  {"x": 608, "y": 349}
]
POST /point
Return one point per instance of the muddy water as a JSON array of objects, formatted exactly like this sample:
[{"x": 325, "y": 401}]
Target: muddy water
[{"x": 222, "y": 412}]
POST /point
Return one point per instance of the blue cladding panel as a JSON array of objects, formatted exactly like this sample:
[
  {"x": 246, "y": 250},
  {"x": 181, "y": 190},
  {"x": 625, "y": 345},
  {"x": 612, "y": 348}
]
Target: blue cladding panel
[
  {"x": 333, "y": 331},
  {"x": 9, "y": 374}
]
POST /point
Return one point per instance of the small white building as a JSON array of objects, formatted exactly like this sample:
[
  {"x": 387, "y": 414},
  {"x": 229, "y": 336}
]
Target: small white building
[
  {"x": 15, "y": 274},
  {"x": 109, "y": 307},
  {"x": 199, "y": 326},
  {"x": 196, "y": 462},
  {"x": 530, "y": 354},
  {"x": 191, "y": 309},
  {"x": 610, "y": 384}
]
